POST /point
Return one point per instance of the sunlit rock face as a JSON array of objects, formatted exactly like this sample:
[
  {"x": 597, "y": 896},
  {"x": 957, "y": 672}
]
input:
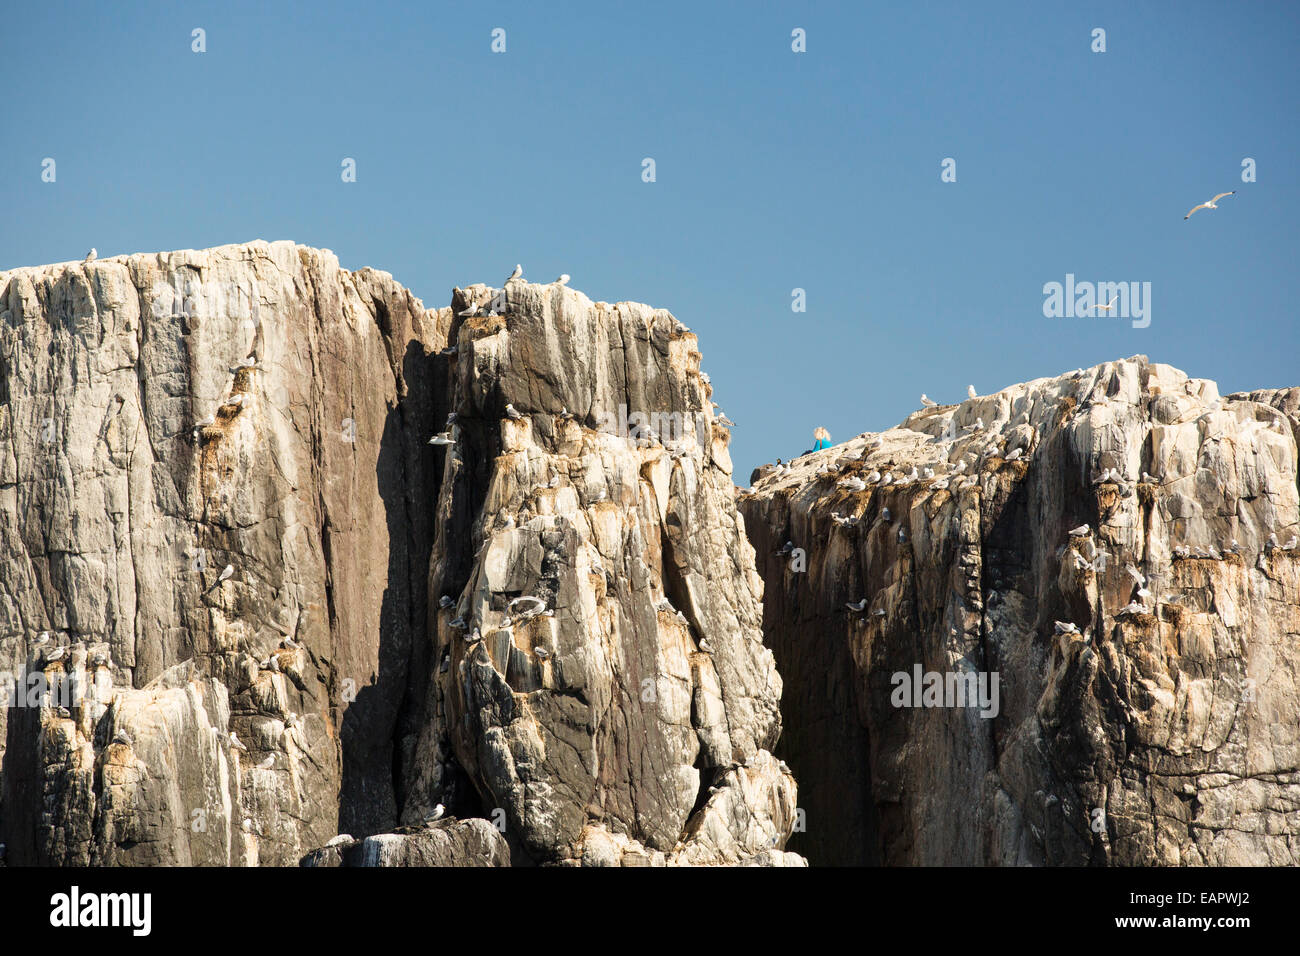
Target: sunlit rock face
[
  {"x": 1147, "y": 665},
  {"x": 225, "y": 538}
]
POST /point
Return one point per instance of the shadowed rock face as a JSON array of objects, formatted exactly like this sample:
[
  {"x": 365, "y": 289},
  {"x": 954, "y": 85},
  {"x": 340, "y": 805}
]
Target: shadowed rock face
[
  {"x": 1166, "y": 731},
  {"x": 256, "y": 408}
]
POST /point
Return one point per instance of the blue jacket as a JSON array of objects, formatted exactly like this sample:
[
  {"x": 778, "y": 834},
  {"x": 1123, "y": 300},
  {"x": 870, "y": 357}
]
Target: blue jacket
[{"x": 820, "y": 444}]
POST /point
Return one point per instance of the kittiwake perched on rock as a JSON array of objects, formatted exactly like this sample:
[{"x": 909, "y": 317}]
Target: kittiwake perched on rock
[
  {"x": 226, "y": 573},
  {"x": 518, "y": 273},
  {"x": 90, "y": 256},
  {"x": 562, "y": 280},
  {"x": 235, "y": 742},
  {"x": 927, "y": 402},
  {"x": 435, "y": 815},
  {"x": 512, "y": 413}
]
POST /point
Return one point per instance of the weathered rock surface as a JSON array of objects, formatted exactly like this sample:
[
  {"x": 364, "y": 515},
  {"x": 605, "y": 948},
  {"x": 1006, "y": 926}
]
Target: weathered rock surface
[
  {"x": 455, "y": 843},
  {"x": 1166, "y": 731},
  {"x": 224, "y": 540}
]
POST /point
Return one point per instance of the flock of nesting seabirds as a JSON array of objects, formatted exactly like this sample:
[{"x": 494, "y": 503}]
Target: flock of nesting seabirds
[{"x": 958, "y": 477}]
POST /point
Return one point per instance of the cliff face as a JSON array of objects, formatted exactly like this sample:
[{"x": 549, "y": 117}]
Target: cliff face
[
  {"x": 1158, "y": 723},
  {"x": 245, "y": 605},
  {"x": 224, "y": 541}
]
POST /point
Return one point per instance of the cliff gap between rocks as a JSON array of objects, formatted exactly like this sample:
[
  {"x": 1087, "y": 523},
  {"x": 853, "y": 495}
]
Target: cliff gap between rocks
[{"x": 277, "y": 625}]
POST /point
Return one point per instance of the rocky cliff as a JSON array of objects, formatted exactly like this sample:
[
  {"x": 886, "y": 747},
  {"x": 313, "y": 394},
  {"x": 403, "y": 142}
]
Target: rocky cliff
[
  {"x": 245, "y": 606},
  {"x": 1100, "y": 571},
  {"x": 293, "y": 569}
]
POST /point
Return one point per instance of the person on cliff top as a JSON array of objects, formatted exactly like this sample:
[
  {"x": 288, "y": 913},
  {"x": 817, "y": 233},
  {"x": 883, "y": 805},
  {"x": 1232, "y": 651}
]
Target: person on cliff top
[{"x": 823, "y": 439}]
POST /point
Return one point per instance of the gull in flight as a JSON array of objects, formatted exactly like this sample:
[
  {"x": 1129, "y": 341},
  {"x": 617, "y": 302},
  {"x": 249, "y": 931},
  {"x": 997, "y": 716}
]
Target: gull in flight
[
  {"x": 1136, "y": 575},
  {"x": 1109, "y": 305},
  {"x": 519, "y": 271},
  {"x": 927, "y": 402},
  {"x": 1212, "y": 204},
  {"x": 442, "y": 438}
]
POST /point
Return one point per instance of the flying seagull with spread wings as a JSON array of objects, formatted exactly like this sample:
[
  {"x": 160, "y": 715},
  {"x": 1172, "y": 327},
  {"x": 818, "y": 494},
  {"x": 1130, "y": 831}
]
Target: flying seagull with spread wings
[{"x": 1212, "y": 204}]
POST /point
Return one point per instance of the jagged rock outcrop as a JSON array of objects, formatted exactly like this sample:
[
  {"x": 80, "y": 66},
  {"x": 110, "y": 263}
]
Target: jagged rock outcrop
[
  {"x": 1157, "y": 723},
  {"x": 224, "y": 540}
]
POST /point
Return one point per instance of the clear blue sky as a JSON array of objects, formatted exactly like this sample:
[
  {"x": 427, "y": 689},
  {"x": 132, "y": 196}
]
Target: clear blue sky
[{"x": 775, "y": 171}]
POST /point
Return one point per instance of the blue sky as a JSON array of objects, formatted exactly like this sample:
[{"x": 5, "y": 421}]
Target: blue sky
[{"x": 775, "y": 171}]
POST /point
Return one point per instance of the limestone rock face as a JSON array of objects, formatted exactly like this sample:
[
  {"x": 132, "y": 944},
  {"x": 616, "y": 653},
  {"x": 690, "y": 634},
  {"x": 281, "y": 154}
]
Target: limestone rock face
[
  {"x": 224, "y": 539},
  {"x": 1143, "y": 716}
]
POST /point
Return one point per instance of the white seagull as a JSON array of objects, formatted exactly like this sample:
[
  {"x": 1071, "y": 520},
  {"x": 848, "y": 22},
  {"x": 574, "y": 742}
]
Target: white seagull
[
  {"x": 226, "y": 573},
  {"x": 442, "y": 438},
  {"x": 562, "y": 279},
  {"x": 1212, "y": 204},
  {"x": 90, "y": 256},
  {"x": 1109, "y": 305},
  {"x": 519, "y": 271},
  {"x": 927, "y": 402},
  {"x": 970, "y": 391},
  {"x": 511, "y": 412},
  {"x": 234, "y": 742}
]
